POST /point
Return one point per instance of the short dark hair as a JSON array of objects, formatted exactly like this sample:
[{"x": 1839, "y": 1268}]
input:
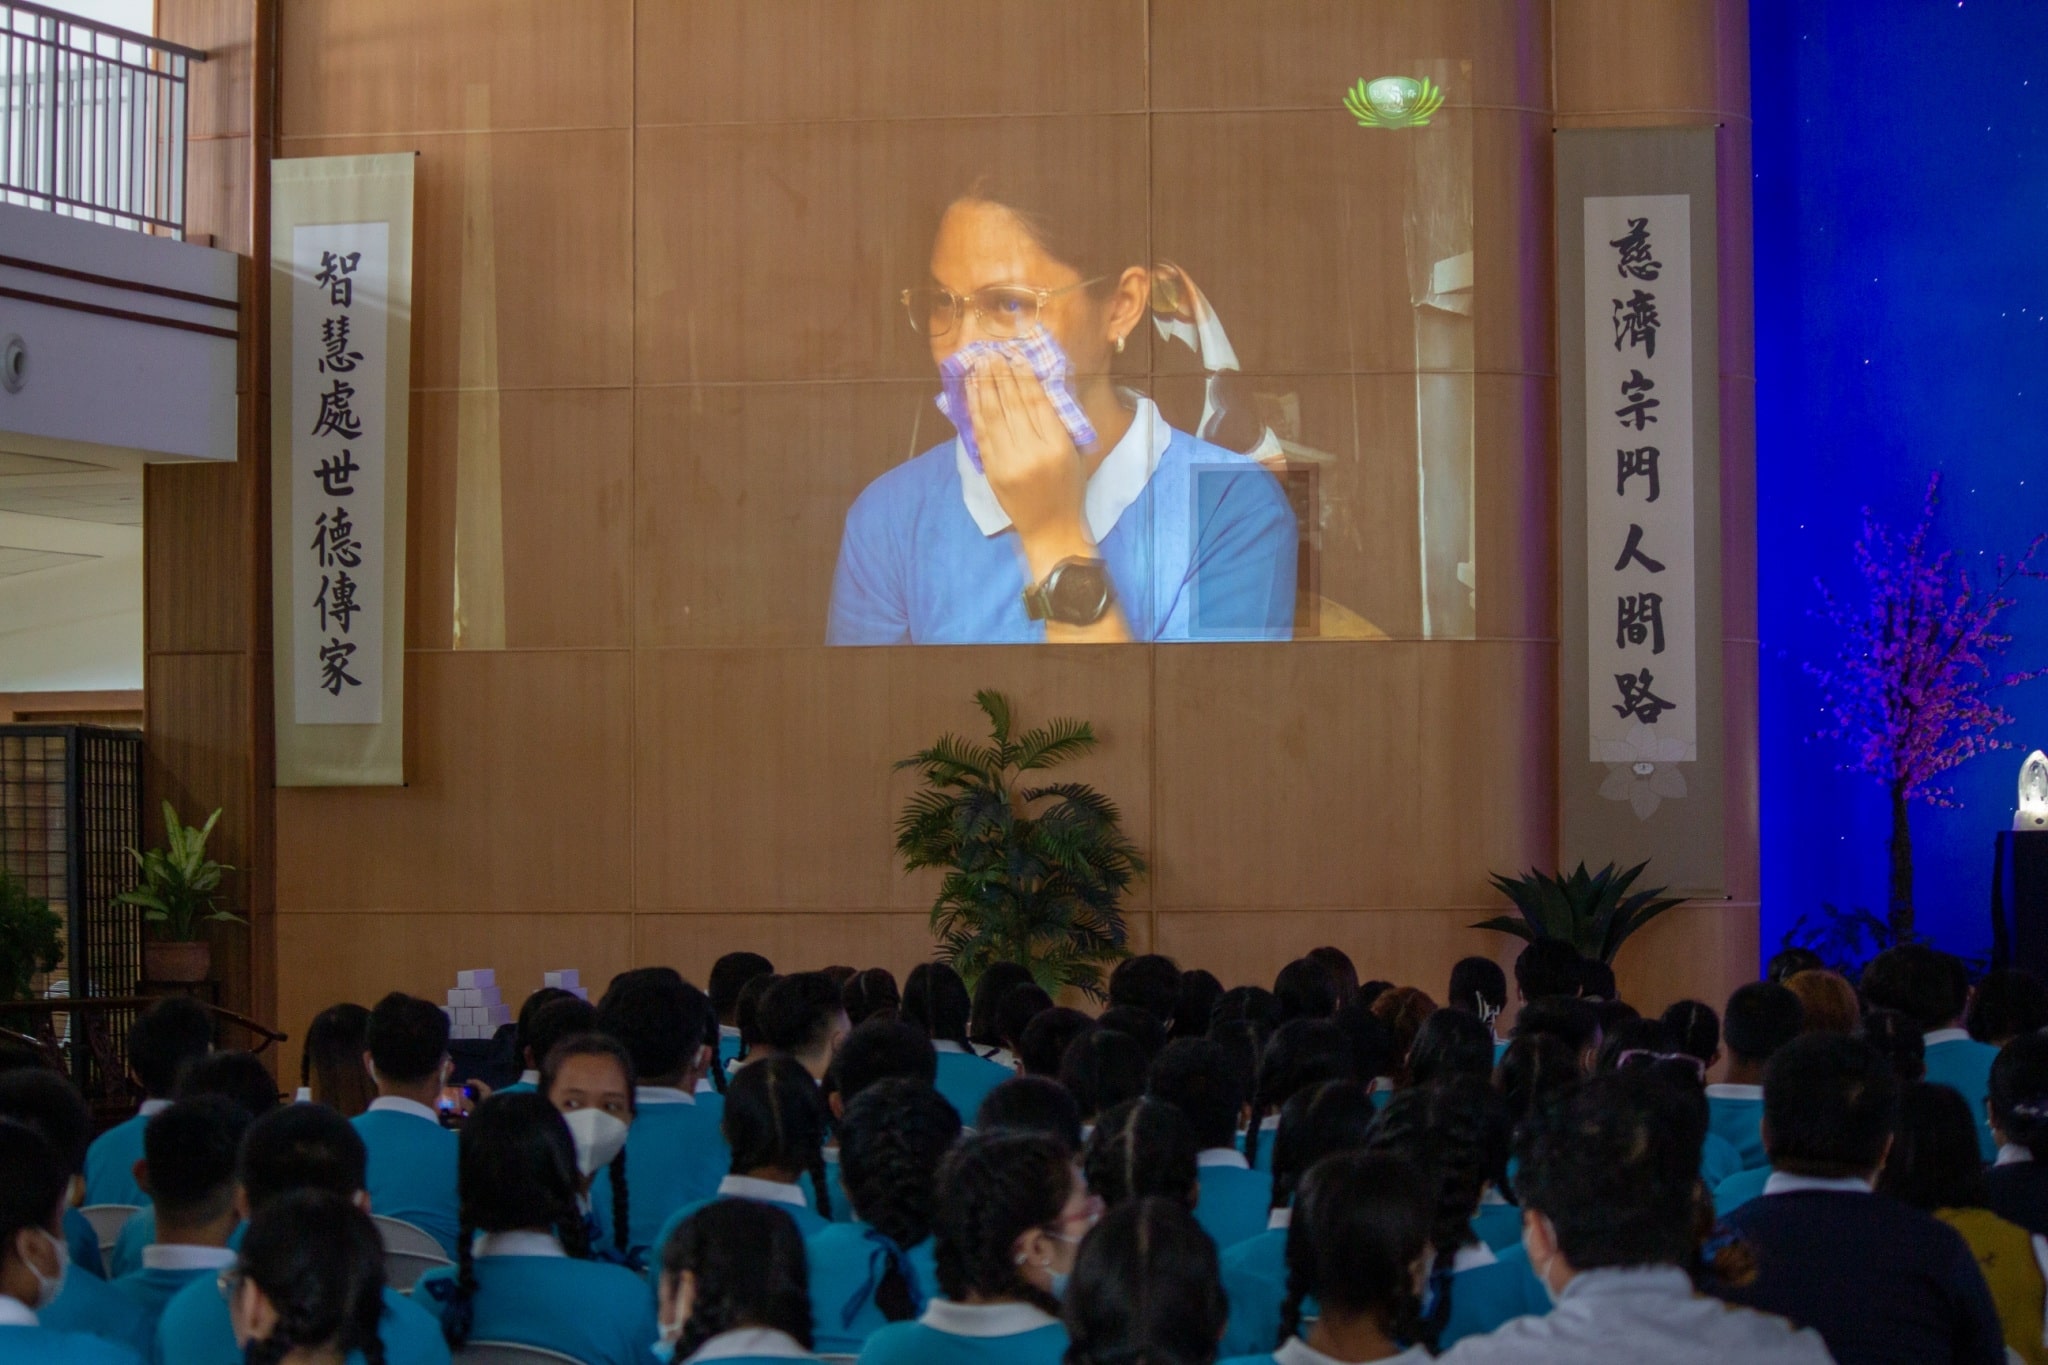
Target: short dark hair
[
  {"x": 1150, "y": 982},
  {"x": 407, "y": 1038},
  {"x": 660, "y": 1018},
  {"x": 301, "y": 1146},
  {"x": 1762, "y": 1017},
  {"x": 1102, "y": 1069},
  {"x": 1903, "y": 1042},
  {"x": 1254, "y": 1004},
  {"x": 729, "y": 974},
  {"x": 1789, "y": 962},
  {"x": 522, "y": 1028},
  {"x": 1547, "y": 967},
  {"x": 1043, "y": 1048},
  {"x": 1922, "y": 983},
  {"x": 1830, "y": 1104},
  {"x": 163, "y": 1038},
  {"x": 565, "y": 1016},
  {"x": 1142, "y": 1025},
  {"x": 239, "y": 1076},
  {"x": 32, "y": 1196},
  {"x": 995, "y": 981},
  {"x": 1031, "y": 1104},
  {"x": 1450, "y": 1043},
  {"x": 1934, "y": 1162},
  {"x": 1020, "y": 1004},
  {"x": 1301, "y": 1053},
  {"x": 1610, "y": 1167},
  {"x": 1305, "y": 990},
  {"x": 2018, "y": 1092},
  {"x": 1146, "y": 1287},
  {"x": 1477, "y": 982},
  {"x": 936, "y": 1000},
  {"x": 1193, "y": 1074},
  {"x": 50, "y": 1104},
  {"x": 190, "y": 1150},
  {"x": 879, "y": 1050},
  {"x": 1696, "y": 1028},
  {"x": 798, "y": 1012},
  {"x": 1199, "y": 992},
  {"x": 2009, "y": 1001},
  {"x": 1575, "y": 1023},
  {"x": 1142, "y": 1147},
  {"x": 1343, "y": 971},
  {"x": 1596, "y": 979}
]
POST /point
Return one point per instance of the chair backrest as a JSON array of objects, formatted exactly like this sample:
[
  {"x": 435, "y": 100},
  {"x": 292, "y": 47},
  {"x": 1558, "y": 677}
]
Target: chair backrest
[
  {"x": 509, "y": 1353},
  {"x": 409, "y": 1252},
  {"x": 107, "y": 1221}
]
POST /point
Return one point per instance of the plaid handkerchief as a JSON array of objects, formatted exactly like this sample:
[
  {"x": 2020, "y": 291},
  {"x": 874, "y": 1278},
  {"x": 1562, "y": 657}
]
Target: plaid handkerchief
[{"x": 1038, "y": 350}]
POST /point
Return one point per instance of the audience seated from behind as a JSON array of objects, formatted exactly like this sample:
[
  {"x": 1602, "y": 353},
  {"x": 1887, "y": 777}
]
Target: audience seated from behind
[
  {"x": 523, "y": 1273},
  {"x": 309, "y": 1287},
  {"x": 1547, "y": 969},
  {"x": 1761, "y": 1018},
  {"x": 870, "y": 994},
  {"x": 412, "y": 1157},
  {"x": 331, "y": 1070},
  {"x": 1195, "y": 1008},
  {"x": 1300, "y": 1055},
  {"x": 1143, "y": 1148},
  {"x": 33, "y": 1261},
  {"x": 1192, "y": 1075},
  {"x": 1480, "y": 988},
  {"x": 984, "y": 1014},
  {"x": 1609, "y": 1177},
  {"x": 1048, "y": 1037},
  {"x": 589, "y": 1079},
  {"x": 1932, "y": 988},
  {"x": 162, "y": 1039},
  {"x": 1010, "y": 1214},
  {"x": 729, "y": 976},
  {"x": 1651, "y": 1042},
  {"x": 288, "y": 1154},
  {"x": 2008, "y": 1002},
  {"x": 1149, "y": 982},
  {"x": 2016, "y": 1187},
  {"x": 1102, "y": 1068},
  {"x": 549, "y": 1015},
  {"x": 1145, "y": 1288},
  {"x": 802, "y": 1016},
  {"x": 1881, "y": 1281},
  {"x": 731, "y": 1287},
  {"x": 1573, "y": 1022},
  {"x": 188, "y": 1171},
  {"x": 878, "y": 1268},
  {"x": 935, "y": 1000}
]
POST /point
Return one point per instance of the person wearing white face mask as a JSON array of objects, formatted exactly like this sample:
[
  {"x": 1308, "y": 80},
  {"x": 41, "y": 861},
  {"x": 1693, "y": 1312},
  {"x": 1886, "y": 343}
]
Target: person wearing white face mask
[
  {"x": 732, "y": 1287},
  {"x": 1010, "y": 1215},
  {"x": 34, "y": 1260},
  {"x": 589, "y": 1078}
]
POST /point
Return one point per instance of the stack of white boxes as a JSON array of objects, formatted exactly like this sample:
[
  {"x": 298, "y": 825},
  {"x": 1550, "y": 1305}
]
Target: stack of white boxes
[
  {"x": 475, "y": 1009},
  {"x": 568, "y": 980}
]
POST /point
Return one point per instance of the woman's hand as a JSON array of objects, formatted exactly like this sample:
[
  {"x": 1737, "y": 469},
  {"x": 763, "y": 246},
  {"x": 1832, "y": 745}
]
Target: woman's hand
[{"x": 1031, "y": 463}]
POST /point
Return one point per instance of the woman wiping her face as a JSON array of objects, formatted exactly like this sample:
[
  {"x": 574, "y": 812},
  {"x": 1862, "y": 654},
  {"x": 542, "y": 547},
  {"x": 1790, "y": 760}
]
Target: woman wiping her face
[{"x": 1066, "y": 509}]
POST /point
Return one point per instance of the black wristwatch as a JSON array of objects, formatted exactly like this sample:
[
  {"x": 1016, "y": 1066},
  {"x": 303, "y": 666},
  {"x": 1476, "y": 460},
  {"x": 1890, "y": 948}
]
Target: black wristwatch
[{"x": 1076, "y": 593}]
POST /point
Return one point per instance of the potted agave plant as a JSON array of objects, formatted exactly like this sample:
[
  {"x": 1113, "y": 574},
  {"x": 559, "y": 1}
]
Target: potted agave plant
[{"x": 178, "y": 897}]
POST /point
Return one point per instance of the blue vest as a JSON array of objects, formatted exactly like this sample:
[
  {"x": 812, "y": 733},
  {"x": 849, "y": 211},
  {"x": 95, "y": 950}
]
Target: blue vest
[
  {"x": 48, "y": 1346},
  {"x": 846, "y": 1266},
  {"x": 1485, "y": 1296},
  {"x": 1234, "y": 1203},
  {"x": 1718, "y": 1160},
  {"x": 600, "y": 1314},
  {"x": 965, "y": 1080},
  {"x": 412, "y": 1172},
  {"x": 96, "y": 1308},
  {"x": 195, "y": 1330},
  {"x": 1498, "y": 1225},
  {"x": 675, "y": 1156},
  {"x": 110, "y": 1164}
]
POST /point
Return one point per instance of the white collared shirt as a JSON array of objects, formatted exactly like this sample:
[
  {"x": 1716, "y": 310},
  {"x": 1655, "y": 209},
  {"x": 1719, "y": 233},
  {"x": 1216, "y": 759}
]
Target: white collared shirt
[
  {"x": 751, "y": 1341},
  {"x": 1784, "y": 1183},
  {"x": 1724, "y": 1090},
  {"x": 1116, "y": 484},
  {"x": 942, "y": 1045},
  {"x": 984, "y": 1319},
  {"x": 185, "y": 1256},
  {"x": 398, "y": 1104},
  {"x": 15, "y": 1313},
  {"x": 529, "y": 1077},
  {"x": 661, "y": 1094},
  {"x": 1295, "y": 1351},
  {"x": 2012, "y": 1154},
  {"x": 1280, "y": 1219},
  {"x": 518, "y": 1243},
  {"x": 731, "y": 1031},
  {"x": 1222, "y": 1156},
  {"x": 1471, "y": 1256},
  {"x": 768, "y": 1191},
  {"x": 1936, "y": 1036},
  {"x": 151, "y": 1108}
]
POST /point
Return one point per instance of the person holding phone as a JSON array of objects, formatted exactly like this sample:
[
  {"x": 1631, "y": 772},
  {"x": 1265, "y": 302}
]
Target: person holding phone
[{"x": 1066, "y": 509}]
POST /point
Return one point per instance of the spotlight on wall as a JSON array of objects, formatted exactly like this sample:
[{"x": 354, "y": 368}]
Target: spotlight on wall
[
  {"x": 1394, "y": 102},
  {"x": 2033, "y": 812}
]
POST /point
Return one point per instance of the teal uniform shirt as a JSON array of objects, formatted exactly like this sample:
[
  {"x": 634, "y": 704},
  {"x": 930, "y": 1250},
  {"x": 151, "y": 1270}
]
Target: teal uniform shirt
[
  {"x": 1738, "y": 1189},
  {"x": 139, "y": 1232},
  {"x": 675, "y": 1156},
  {"x": 1498, "y": 1224},
  {"x": 1718, "y": 1160},
  {"x": 846, "y": 1263},
  {"x": 1957, "y": 1060},
  {"x": 1736, "y": 1113},
  {"x": 1487, "y": 1293},
  {"x": 1269, "y": 1131},
  {"x": 110, "y": 1161},
  {"x": 965, "y": 1078},
  {"x": 728, "y": 1046},
  {"x": 24, "y": 1344},
  {"x": 84, "y": 1244},
  {"x": 95, "y": 1308},
  {"x": 1255, "y": 1284},
  {"x": 527, "y": 1084},
  {"x": 412, "y": 1167},
  {"x": 949, "y": 1333},
  {"x": 151, "y": 1289},
  {"x": 195, "y": 1330},
  {"x": 809, "y": 1223},
  {"x": 596, "y": 1313},
  {"x": 1234, "y": 1201}
]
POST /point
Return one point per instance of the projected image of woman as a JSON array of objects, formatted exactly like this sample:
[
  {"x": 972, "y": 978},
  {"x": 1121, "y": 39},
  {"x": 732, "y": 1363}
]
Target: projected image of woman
[{"x": 1065, "y": 508}]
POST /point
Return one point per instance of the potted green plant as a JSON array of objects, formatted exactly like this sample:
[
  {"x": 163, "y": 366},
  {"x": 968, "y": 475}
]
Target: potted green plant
[
  {"x": 31, "y": 937},
  {"x": 178, "y": 896},
  {"x": 1034, "y": 874},
  {"x": 1593, "y": 912}
]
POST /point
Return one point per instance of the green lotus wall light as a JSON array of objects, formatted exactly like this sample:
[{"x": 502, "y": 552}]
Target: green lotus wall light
[{"x": 1394, "y": 102}]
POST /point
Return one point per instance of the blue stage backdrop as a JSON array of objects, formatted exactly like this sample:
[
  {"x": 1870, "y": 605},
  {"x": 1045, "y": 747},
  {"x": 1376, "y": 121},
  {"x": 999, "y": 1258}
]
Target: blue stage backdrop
[{"x": 1902, "y": 327}]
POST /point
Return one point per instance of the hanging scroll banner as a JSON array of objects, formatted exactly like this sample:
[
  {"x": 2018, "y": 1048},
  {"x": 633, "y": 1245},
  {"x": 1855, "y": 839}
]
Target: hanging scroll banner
[
  {"x": 341, "y": 329},
  {"x": 1640, "y": 716}
]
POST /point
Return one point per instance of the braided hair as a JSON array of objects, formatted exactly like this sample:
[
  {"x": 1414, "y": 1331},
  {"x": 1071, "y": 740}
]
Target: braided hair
[
  {"x": 1301, "y": 1053},
  {"x": 317, "y": 1259},
  {"x": 1458, "y": 1133},
  {"x": 992, "y": 1189},
  {"x": 775, "y": 1120},
  {"x": 1361, "y": 1222},
  {"x": 1333, "y": 1117},
  {"x": 747, "y": 1259},
  {"x": 516, "y": 1171},
  {"x": 892, "y": 1138},
  {"x": 600, "y": 1045},
  {"x": 1140, "y": 1148}
]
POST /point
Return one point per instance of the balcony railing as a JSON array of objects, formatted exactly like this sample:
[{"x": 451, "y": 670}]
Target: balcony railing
[{"x": 92, "y": 119}]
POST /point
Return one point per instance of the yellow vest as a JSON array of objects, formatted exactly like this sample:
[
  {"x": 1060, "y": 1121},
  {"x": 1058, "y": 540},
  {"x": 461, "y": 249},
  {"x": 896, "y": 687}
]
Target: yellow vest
[{"x": 2005, "y": 1253}]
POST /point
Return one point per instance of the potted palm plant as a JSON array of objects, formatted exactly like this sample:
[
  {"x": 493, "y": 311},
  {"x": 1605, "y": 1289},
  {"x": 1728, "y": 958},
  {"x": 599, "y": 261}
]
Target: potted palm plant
[
  {"x": 1034, "y": 871},
  {"x": 178, "y": 896}
]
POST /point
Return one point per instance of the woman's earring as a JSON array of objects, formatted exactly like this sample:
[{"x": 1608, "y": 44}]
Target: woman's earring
[{"x": 1119, "y": 345}]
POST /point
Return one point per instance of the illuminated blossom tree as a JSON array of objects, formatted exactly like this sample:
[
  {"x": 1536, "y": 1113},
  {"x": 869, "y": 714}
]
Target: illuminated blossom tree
[{"x": 1909, "y": 692}]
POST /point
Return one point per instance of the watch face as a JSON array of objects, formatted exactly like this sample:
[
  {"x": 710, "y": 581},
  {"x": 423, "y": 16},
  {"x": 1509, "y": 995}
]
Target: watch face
[{"x": 1079, "y": 594}]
